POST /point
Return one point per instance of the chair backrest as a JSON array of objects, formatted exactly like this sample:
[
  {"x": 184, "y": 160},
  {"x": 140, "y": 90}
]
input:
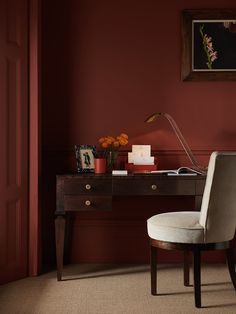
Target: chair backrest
[{"x": 218, "y": 210}]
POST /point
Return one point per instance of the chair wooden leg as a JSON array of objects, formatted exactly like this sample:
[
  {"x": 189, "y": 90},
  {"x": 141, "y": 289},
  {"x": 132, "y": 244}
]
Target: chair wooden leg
[
  {"x": 153, "y": 264},
  {"x": 186, "y": 268},
  {"x": 197, "y": 276},
  {"x": 231, "y": 267}
]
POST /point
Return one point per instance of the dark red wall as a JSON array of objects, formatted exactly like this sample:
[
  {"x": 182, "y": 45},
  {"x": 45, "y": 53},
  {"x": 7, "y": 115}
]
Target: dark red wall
[{"x": 106, "y": 66}]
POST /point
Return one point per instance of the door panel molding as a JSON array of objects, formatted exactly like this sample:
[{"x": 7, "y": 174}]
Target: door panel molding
[
  {"x": 35, "y": 138},
  {"x": 14, "y": 139}
]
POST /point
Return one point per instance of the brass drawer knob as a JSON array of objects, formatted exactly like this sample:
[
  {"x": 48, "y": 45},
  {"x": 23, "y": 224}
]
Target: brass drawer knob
[
  {"x": 154, "y": 187},
  {"x": 87, "y": 186},
  {"x": 87, "y": 203}
]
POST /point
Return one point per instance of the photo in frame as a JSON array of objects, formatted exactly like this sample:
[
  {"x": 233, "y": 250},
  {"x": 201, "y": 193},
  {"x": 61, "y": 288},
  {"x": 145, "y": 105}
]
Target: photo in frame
[
  {"x": 209, "y": 45},
  {"x": 85, "y": 157}
]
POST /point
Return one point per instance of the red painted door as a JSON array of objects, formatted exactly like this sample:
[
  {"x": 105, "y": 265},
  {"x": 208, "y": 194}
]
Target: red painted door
[{"x": 13, "y": 139}]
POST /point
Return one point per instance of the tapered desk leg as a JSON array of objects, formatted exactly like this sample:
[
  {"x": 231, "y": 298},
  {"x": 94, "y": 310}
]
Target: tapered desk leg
[{"x": 60, "y": 238}]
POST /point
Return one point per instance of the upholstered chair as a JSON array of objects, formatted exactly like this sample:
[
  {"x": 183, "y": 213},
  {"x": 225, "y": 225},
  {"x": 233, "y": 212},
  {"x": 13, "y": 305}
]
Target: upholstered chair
[{"x": 211, "y": 228}]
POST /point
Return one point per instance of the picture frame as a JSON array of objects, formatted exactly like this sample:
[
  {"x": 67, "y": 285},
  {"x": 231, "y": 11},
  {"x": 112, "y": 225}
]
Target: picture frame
[
  {"x": 209, "y": 45},
  {"x": 85, "y": 155}
]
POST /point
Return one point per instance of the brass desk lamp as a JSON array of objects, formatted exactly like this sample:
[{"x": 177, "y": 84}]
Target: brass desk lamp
[{"x": 182, "y": 140}]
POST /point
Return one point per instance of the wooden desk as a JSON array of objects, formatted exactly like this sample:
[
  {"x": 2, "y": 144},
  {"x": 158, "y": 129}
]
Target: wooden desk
[{"x": 87, "y": 192}]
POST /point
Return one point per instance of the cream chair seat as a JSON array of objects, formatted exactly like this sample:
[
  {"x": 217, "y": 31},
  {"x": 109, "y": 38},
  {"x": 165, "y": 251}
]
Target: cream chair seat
[
  {"x": 210, "y": 229},
  {"x": 179, "y": 227}
]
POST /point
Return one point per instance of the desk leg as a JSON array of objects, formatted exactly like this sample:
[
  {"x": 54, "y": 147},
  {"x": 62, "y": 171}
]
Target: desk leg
[{"x": 60, "y": 238}]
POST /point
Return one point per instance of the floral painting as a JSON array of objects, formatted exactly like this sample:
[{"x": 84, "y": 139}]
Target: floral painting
[
  {"x": 208, "y": 45},
  {"x": 214, "y": 45}
]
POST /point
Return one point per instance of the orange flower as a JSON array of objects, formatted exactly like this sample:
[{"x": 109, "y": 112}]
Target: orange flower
[
  {"x": 124, "y": 135},
  {"x": 110, "y": 142},
  {"x": 123, "y": 142},
  {"x": 111, "y": 138},
  {"x": 104, "y": 145},
  {"x": 101, "y": 140}
]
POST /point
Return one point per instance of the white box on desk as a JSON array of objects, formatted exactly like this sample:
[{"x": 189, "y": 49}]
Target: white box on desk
[{"x": 142, "y": 150}]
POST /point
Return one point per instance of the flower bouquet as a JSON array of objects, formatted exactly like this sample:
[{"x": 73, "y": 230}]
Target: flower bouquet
[{"x": 111, "y": 146}]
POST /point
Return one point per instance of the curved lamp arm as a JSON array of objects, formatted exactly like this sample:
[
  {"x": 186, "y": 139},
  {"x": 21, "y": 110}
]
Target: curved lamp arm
[{"x": 179, "y": 135}]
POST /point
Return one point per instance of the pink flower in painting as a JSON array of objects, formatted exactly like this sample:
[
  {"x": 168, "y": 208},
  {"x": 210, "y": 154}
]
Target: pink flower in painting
[{"x": 213, "y": 56}]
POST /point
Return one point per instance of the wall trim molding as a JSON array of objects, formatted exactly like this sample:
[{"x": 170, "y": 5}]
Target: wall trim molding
[{"x": 199, "y": 151}]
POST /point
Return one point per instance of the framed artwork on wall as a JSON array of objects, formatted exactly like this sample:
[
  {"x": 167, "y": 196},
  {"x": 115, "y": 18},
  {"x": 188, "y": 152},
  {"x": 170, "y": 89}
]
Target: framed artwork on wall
[
  {"x": 85, "y": 157},
  {"x": 209, "y": 45}
]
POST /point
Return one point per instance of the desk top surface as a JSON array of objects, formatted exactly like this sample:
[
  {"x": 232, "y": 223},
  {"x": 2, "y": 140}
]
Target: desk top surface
[{"x": 131, "y": 176}]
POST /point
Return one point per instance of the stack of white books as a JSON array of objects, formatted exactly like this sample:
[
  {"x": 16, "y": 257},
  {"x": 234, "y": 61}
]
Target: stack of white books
[{"x": 141, "y": 155}]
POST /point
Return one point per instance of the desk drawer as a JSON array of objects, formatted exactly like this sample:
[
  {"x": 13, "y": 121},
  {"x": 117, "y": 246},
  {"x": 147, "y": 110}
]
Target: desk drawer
[
  {"x": 87, "y": 186},
  {"x": 87, "y": 203},
  {"x": 153, "y": 187}
]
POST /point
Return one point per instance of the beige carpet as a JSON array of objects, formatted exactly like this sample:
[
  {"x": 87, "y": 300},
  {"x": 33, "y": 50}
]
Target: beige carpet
[{"x": 116, "y": 289}]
